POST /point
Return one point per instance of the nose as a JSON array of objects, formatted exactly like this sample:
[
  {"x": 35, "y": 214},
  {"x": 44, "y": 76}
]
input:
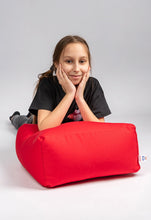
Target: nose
[{"x": 76, "y": 67}]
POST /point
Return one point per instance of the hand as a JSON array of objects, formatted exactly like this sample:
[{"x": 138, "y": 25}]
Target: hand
[
  {"x": 64, "y": 81},
  {"x": 80, "y": 89}
]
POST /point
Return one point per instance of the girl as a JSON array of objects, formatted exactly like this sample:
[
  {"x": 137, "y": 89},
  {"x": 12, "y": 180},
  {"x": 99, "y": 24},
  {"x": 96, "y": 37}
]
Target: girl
[{"x": 66, "y": 92}]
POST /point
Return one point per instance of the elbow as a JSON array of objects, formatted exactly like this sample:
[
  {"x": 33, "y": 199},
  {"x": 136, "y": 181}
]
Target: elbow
[
  {"x": 43, "y": 126},
  {"x": 40, "y": 127},
  {"x": 101, "y": 120}
]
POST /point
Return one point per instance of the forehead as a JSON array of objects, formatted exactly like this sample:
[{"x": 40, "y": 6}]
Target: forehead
[{"x": 75, "y": 49}]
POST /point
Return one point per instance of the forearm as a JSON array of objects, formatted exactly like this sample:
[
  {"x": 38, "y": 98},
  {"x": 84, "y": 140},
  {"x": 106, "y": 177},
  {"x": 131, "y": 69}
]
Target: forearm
[
  {"x": 54, "y": 118},
  {"x": 86, "y": 112}
]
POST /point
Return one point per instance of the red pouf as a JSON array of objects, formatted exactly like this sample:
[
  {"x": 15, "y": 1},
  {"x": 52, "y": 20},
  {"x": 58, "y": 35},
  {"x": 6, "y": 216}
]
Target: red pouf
[{"x": 77, "y": 151}]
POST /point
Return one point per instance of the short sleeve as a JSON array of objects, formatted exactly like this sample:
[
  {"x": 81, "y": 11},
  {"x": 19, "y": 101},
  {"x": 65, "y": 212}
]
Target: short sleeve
[
  {"x": 43, "y": 98},
  {"x": 99, "y": 104}
]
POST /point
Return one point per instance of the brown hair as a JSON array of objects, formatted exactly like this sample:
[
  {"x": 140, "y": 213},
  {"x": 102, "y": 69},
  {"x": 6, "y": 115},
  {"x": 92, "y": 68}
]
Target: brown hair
[{"x": 57, "y": 53}]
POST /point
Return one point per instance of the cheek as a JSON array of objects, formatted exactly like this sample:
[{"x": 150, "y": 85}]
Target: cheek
[
  {"x": 66, "y": 68},
  {"x": 84, "y": 68}
]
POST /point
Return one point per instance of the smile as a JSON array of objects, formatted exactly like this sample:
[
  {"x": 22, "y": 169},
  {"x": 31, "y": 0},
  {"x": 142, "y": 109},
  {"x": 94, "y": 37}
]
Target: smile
[{"x": 75, "y": 76}]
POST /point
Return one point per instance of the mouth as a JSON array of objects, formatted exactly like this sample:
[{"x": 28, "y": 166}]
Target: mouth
[{"x": 75, "y": 76}]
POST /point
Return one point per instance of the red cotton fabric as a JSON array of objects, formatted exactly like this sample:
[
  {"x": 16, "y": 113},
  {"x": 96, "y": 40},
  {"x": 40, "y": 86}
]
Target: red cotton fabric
[{"x": 77, "y": 151}]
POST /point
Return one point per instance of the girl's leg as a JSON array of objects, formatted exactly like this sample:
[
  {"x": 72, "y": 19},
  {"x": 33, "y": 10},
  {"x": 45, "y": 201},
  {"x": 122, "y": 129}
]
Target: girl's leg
[{"x": 18, "y": 120}]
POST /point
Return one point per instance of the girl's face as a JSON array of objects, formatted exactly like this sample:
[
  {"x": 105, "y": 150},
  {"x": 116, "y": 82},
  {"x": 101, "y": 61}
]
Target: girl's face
[{"x": 75, "y": 62}]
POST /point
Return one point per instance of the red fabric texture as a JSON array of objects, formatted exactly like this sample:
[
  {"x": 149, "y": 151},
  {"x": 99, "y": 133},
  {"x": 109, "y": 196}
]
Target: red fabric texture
[{"x": 77, "y": 151}]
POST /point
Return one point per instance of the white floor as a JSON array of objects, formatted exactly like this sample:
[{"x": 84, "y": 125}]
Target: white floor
[{"x": 119, "y": 197}]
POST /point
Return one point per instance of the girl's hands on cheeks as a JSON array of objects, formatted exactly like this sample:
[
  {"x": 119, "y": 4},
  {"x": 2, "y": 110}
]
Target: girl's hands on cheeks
[
  {"x": 81, "y": 86},
  {"x": 64, "y": 81}
]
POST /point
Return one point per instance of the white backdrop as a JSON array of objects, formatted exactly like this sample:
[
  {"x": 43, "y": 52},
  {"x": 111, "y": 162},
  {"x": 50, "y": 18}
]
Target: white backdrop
[{"x": 118, "y": 33}]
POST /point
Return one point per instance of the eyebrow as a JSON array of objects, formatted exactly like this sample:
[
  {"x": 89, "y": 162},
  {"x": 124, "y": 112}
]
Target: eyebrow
[{"x": 72, "y": 57}]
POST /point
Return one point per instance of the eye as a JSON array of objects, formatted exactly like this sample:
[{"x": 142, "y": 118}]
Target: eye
[
  {"x": 68, "y": 61},
  {"x": 82, "y": 61}
]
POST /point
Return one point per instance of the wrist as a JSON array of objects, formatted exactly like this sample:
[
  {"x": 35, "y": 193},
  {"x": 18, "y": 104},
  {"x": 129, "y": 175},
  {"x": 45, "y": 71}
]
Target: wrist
[
  {"x": 70, "y": 95},
  {"x": 79, "y": 99},
  {"x": 71, "y": 91}
]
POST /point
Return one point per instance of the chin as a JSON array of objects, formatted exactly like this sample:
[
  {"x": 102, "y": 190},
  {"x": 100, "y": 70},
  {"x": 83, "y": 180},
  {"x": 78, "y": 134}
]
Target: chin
[{"x": 76, "y": 83}]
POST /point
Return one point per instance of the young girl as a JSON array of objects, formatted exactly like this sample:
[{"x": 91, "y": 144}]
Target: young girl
[{"x": 66, "y": 92}]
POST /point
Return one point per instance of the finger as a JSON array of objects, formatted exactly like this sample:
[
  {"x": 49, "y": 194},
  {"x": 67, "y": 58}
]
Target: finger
[
  {"x": 88, "y": 72},
  {"x": 85, "y": 78},
  {"x": 86, "y": 75},
  {"x": 59, "y": 72},
  {"x": 58, "y": 69},
  {"x": 64, "y": 74},
  {"x": 88, "y": 69}
]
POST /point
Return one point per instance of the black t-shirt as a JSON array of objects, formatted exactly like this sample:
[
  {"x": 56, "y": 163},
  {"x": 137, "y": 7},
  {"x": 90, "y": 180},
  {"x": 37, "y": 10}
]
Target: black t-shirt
[{"x": 50, "y": 93}]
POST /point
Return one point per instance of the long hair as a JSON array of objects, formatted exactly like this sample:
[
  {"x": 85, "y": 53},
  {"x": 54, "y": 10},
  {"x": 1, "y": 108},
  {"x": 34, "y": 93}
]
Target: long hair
[{"x": 57, "y": 53}]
